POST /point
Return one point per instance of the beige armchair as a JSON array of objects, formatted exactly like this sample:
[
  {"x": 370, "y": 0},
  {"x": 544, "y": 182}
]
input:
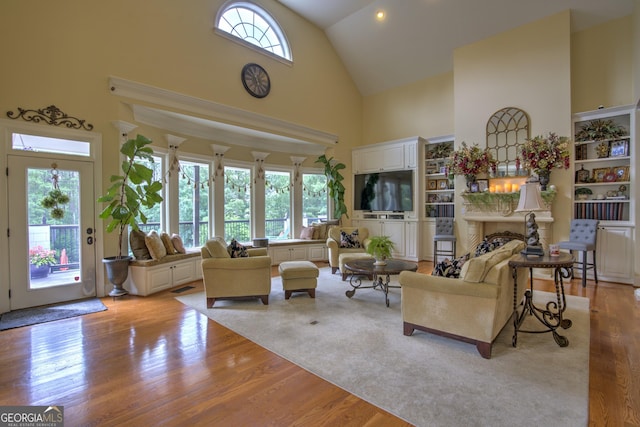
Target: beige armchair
[
  {"x": 231, "y": 278},
  {"x": 473, "y": 308},
  {"x": 335, "y": 249}
]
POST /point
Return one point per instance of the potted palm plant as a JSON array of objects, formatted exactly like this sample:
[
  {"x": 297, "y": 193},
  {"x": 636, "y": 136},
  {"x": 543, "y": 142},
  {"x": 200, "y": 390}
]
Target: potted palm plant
[
  {"x": 128, "y": 193},
  {"x": 334, "y": 183},
  {"x": 380, "y": 248}
]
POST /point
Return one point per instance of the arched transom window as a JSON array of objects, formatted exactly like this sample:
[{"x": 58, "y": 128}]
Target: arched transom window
[{"x": 254, "y": 25}]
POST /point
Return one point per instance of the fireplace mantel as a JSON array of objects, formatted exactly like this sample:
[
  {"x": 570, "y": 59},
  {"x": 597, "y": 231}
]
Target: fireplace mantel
[{"x": 482, "y": 208}]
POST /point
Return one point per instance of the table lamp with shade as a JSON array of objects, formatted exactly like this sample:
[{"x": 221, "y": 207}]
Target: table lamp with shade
[{"x": 530, "y": 202}]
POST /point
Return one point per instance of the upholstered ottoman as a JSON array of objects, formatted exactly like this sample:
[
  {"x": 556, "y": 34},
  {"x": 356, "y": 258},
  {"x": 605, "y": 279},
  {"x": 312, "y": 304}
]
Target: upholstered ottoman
[
  {"x": 299, "y": 276},
  {"x": 350, "y": 256}
]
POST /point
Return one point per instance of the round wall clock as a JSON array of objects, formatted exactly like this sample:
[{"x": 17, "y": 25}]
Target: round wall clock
[{"x": 256, "y": 80}]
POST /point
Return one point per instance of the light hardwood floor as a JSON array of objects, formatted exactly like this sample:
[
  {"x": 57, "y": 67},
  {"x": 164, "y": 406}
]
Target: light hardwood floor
[{"x": 153, "y": 361}]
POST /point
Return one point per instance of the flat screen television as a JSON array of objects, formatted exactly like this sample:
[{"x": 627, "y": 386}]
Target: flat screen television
[{"x": 383, "y": 191}]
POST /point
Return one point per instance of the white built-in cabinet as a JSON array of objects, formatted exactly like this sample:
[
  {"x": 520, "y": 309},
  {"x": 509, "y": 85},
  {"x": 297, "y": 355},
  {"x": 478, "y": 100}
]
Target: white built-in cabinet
[
  {"x": 298, "y": 252},
  {"x": 607, "y": 169},
  {"x": 144, "y": 280},
  {"x": 402, "y": 227},
  {"x": 395, "y": 229}
]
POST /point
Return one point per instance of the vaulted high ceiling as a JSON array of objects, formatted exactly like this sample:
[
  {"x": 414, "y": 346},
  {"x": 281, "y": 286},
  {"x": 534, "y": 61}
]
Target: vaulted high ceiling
[{"x": 416, "y": 38}]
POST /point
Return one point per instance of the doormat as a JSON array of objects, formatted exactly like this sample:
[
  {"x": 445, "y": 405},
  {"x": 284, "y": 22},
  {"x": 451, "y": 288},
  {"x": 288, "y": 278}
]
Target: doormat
[
  {"x": 49, "y": 313},
  {"x": 182, "y": 289}
]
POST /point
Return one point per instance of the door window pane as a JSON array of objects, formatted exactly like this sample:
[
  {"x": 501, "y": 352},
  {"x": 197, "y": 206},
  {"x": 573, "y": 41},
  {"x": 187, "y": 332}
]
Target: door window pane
[
  {"x": 237, "y": 204},
  {"x": 314, "y": 198},
  {"x": 193, "y": 200},
  {"x": 54, "y": 238},
  {"x": 277, "y": 205}
]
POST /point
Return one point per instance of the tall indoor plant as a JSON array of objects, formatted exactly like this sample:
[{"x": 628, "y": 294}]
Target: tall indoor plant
[
  {"x": 128, "y": 193},
  {"x": 334, "y": 183}
]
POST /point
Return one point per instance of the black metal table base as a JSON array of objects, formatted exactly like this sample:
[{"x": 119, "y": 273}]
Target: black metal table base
[
  {"x": 551, "y": 315},
  {"x": 379, "y": 282}
]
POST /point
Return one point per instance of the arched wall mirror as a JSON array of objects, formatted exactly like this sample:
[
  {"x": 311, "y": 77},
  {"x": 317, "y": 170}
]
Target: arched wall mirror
[{"x": 507, "y": 129}]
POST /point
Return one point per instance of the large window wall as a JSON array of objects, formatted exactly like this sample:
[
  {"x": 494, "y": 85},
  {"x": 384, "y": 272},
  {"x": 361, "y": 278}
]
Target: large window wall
[{"x": 270, "y": 204}]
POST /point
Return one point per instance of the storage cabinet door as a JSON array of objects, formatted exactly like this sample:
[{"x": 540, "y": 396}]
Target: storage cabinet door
[
  {"x": 613, "y": 252},
  {"x": 183, "y": 273},
  {"x": 158, "y": 279},
  {"x": 317, "y": 253}
]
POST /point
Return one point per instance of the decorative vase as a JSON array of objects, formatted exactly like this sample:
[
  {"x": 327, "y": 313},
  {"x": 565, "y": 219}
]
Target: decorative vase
[
  {"x": 39, "y": 271},
  {"x": 470, "y": 180},
  {"x": 117, "y": 272},
  {"x": 543, "y": 177}
]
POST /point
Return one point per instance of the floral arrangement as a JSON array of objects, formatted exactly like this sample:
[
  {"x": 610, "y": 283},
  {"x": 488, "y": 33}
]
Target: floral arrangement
[
  {"x": 39, "y": 256},
  {"x": 471, "y": 161},
  {"x": 597, "y": 130},
  {"x": 545, "y": 153}
]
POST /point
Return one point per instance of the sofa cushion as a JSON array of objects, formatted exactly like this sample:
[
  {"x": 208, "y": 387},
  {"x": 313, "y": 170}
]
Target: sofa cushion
[
  {"x": 477, "y": 268},
  {"x": 178, "y": 243},
  {"x": 217, "y": 249},
  {"x": 138, "y": 245},
  {"x": 350, "y": 240},
  {"x": 155, "y": 245},
  {"x": 237, "y": 250},
  {"x": 448, "y": 268},
  {"x": 168, "y": 245},
  {"x": 307, "y": 233}
]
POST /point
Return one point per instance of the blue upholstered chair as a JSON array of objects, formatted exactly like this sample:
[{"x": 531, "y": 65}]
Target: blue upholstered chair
[
  {"x": 582, "y": 238},
  {"x": 444, "y": 233}
]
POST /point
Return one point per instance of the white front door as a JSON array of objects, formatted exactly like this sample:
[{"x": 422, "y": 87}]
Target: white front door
[{"x": 50, "y": 259}]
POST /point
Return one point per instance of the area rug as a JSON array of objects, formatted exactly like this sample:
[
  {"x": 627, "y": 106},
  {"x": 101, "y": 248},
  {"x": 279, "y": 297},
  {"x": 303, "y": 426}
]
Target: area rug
[
  {"x": 358, "y": 345},
  {"x": 49, "y": 313}
]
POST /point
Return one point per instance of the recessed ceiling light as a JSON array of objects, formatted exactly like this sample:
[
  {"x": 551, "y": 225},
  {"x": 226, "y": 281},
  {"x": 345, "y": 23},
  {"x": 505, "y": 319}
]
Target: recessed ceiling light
[{"x": 380, "y": 15}]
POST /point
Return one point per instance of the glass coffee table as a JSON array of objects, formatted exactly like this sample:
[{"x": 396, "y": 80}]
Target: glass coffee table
[{"x": 380, "y": 274}]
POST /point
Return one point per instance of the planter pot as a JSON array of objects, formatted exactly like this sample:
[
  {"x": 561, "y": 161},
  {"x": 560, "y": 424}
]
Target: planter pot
[
  {"x": 39, "y": 272},
  {"x": 117, "y": 273}
]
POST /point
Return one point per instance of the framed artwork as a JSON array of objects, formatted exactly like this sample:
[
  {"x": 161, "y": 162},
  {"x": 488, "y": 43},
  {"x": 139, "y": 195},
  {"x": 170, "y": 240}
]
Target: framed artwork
[
  {"x": 432, "y": 184},
  {"x": 483, "y": 185},
  {"x": 598, "y": 174},
  {"x": 583, "y": 175},
  {"x": 619, "y": 148},
  {"x": 433, "y": 198},
  {"x": 621, "y": 173},
  {"x": 443, "y": 184},
  {"x": 474, "y": 187}
]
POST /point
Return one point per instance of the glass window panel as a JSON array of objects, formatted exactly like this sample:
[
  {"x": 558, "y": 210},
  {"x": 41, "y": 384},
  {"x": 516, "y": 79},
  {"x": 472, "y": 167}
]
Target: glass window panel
[
  {"x": 50, "y": 145},
  {"x": 193, "y": 203},
  {"x": 153, "y": 215},
  {"x": 277, "y": 205},
  {"x": 314, "y": 198},
  {"x": 237, "y": 204},
  {"x": 254, "y": 25}
]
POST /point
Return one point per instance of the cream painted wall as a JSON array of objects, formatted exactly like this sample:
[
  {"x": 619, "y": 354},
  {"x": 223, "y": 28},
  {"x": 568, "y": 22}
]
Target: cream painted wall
[
  {"x": 424, "y": 108},
  {"x": 601, "y": 66},
  {"x": 63, "y": 53},
  {"x": 528, "y": 68}
]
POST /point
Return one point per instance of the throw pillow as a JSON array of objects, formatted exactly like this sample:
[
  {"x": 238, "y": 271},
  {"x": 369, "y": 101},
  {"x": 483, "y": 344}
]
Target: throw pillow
[
  {"x": 485, "y": 246},
  {"x": 178, "y": 244},
  {"x": 349, "y": 240},
  {"x": 319, "y": 231},
  {"x": 138, "y": 246},
  {"x": 306, "y": 233},
  {"x": 448, "y": 268},
  {"x": 166, "y": 241},
  {"x": 237, "y": 250},
  {"x": 155, "y": 245}
]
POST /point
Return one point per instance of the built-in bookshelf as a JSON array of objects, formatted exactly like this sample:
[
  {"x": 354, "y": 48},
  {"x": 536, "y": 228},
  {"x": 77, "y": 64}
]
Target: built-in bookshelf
[
  {"x": 439, "y": 188},
  {"x": 603, "y": 158}
]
